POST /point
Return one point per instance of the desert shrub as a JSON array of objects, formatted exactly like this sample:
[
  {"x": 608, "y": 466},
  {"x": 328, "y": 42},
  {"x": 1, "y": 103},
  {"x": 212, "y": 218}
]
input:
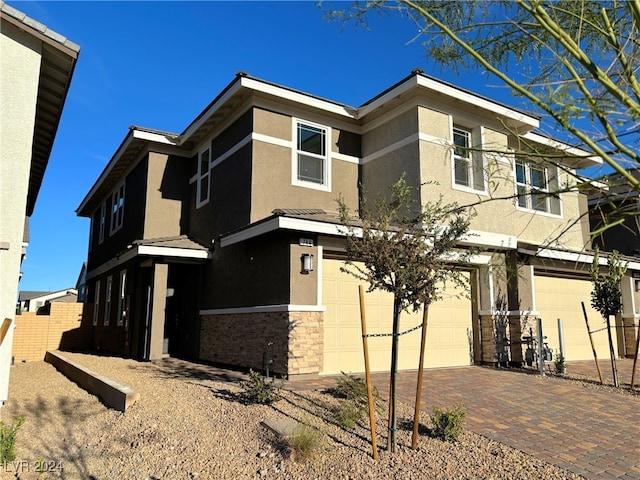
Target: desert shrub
[
  {"x": 355, "y": 406},
  {"x": 448, "y": 422},
  {"x": 259, "y": 390},
  {"x": 8, "y": 434}
]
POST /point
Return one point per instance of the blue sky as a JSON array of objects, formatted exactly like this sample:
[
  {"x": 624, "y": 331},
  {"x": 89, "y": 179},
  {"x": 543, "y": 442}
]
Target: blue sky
[{"x": 158, "y": 64}]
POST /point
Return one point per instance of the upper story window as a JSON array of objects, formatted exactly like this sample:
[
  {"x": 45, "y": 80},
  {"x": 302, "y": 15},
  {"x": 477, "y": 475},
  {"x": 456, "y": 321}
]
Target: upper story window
[
  {"x": 102, "y": 222},
  {"x": 203, "y": 184},
  {"x": 117, "y": 209},
  {"x": 534, "y": 186},
  {"x": 468, "y": 166},
  {"x": 311, "y": 163}
]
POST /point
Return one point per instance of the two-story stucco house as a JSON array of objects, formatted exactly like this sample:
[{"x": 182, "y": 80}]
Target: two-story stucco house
[{"x": 222, "y": 243}]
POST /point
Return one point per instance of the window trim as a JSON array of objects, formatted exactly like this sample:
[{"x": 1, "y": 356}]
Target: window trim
[
  {"x": 326, "y": 158},
  {"x": 201, "y": 177},
  {"x": 107, "y": 300},
  {"x": 528, "y": 187},
  {"x": 96, "y": 303},
  {"x": 475, "y": 137},
  {"x": 117, "y": 209},
  {"x": 122, "y": 289}
]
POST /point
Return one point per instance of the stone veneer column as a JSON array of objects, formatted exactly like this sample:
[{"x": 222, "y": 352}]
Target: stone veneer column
[{"x": 306, "y": 343}]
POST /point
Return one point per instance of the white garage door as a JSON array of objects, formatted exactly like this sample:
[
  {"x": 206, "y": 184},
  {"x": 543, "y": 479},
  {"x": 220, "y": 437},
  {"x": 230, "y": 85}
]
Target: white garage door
[
  {"x": 560, "y": 298},
  {"x": 449, "y": 331}
]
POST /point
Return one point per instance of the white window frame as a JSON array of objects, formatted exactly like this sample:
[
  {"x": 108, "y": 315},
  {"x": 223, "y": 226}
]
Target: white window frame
[
  {"x": 107, "y": 300},
  {"x": 117, "y": 209},
  {"x": 526, "y": 192},
  {"x": 325, "y": 185},
  {"x": 96, "y": 303},
  {"x": 203, "y": 177},
  {"x": 121, "y": 298},
  {"x": 473, "y": 161},
  {"x": 103, "y": 222}
]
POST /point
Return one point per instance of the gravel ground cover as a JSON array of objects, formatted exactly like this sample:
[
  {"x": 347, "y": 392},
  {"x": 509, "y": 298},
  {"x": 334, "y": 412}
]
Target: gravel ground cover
[{"x": 186, "y": 426}]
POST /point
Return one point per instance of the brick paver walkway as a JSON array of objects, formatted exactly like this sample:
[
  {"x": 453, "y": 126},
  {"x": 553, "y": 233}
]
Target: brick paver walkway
[{"x": 589, "y": 431}]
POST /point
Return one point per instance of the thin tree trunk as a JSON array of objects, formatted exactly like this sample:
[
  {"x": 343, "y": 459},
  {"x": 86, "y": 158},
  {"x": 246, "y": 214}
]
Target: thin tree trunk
[
  {"x": 613, "y": 356},
  {"x": 391, "y": 439}
]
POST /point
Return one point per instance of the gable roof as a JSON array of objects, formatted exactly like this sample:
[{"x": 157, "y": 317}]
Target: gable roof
[{"x": 59, "y": 56}]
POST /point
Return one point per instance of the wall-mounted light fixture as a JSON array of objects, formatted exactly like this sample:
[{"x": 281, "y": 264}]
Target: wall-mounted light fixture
[{"x": 307, "y": 263}]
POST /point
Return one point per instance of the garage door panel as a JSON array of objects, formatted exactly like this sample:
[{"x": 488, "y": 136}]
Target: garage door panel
[
  {"x": 561, "y": 298},
  {"x": 447, "y": 332}
]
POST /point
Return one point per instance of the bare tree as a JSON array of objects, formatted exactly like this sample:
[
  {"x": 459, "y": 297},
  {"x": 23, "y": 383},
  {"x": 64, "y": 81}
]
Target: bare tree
[{"x": 408, "y": 249}]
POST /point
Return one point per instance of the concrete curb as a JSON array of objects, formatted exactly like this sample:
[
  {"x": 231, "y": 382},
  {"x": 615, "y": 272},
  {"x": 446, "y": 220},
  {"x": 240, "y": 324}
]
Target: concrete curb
[{"x": 112, "y": 394}]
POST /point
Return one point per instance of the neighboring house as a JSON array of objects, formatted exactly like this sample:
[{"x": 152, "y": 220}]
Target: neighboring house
[
  {"x": 222, "y": 243},
  {"x": 81, "y": 284},
  {"x": 31, "y": 301},
  {"x": 36, "y": 66}
]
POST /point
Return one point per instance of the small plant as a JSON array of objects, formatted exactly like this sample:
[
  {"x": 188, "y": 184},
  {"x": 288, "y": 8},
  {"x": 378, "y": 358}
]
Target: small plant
[
  {"x": 348, "y": 414},
  {"x": 560, "y": 365},
  {"x": 304, "y": 442},
  {"x": 448, "y": 422},
  {"x": 8, "y": 434},
  {"x": 354, "y": 409},
  {"x": 259, "y": 390}
]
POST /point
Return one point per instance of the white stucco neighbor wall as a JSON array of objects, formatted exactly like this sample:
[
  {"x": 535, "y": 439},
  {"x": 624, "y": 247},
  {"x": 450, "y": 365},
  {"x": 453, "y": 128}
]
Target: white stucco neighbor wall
[{"x": 19, "y": 73}]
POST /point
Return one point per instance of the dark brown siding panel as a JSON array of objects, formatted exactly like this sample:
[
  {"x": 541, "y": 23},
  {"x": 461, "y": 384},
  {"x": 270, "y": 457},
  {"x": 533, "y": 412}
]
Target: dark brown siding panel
[
  {"x": 232, "y": 135},
  {"x": 230, "y": 199},
  {"x": 255, "y": 272},
  {"x": 133, "y": 220}
]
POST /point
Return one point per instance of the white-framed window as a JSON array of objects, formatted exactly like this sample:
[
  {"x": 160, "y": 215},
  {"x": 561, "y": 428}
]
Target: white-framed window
[
  {"x": 534, "y": 184},
  {"x": 117, "y": 209},
  {"x": 96, "y": 303},
  {"x": 102, "y": 222},
  {"x": 122, "y": 312},
  {"x": 468, "y": 165},
  {"x": 107, "y": 300},
  {"x": 204, "y": 175},
  {"x": 311, "y": 160}
]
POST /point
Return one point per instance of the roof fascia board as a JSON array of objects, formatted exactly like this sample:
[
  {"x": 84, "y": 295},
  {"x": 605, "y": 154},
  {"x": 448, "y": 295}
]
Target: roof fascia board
[
  {"x": 172, "y": 252},
  {"x": 59, "y": 42},
  {"x": 147, "y": 250},
  {"x": 451, "y": 92},
  {"x": 297, "y": 97},
  {"x": 475, "y": 237},
  {"x": 582, "y": 155},
  {"x": 573, "y": 257},
  {"x": 105, "y": 173},
  {"x": 233, "y": 89}
]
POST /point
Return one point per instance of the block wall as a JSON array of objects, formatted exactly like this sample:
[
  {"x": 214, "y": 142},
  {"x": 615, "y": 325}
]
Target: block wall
[{"x": 35, "y": 334}]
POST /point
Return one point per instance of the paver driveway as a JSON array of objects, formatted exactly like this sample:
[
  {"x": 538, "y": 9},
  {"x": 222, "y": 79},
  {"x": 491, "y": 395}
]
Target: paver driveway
[{"x": 589, "y": 431}]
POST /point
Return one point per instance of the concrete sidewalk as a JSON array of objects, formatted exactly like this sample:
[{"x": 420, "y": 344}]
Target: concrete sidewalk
[{"x": 588, "y": 430}]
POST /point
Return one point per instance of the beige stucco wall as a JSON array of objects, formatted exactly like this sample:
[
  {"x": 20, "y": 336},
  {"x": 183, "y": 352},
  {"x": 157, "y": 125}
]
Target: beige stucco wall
[
  {"x": 498, "y": 212},
  {"x": 162, "y": 214},
  {"x": 272, "y": 171},
  {"x": 19, "y": 73}
]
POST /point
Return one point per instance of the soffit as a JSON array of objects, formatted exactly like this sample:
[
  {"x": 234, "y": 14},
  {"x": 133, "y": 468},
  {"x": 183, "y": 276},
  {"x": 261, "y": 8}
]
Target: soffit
[{"x": 58, "y": 59}]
